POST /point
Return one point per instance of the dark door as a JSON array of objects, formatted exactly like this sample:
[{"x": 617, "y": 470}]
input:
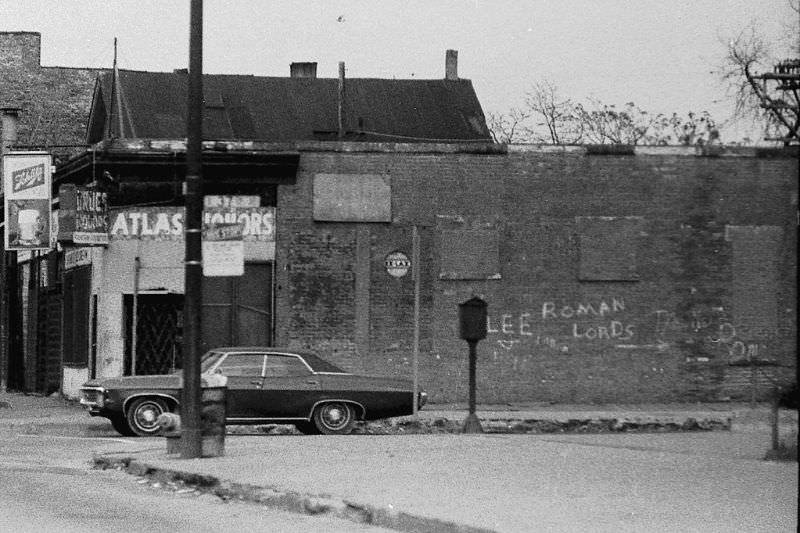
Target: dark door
[
  {"x": 245, "y": 379},
  {"x": 290, "y": 389},
  {"x": 75, "y": 332},
  {"x": 237, "y": 311}
]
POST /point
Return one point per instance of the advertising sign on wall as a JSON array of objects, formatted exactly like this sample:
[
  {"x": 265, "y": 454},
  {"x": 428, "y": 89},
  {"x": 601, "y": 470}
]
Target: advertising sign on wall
[
  {"x": 223, "y": 250},
  {"x": 27, "y": 198},
  {"x": 83, "y": 215},
  {"x": 166, "y": 223}
]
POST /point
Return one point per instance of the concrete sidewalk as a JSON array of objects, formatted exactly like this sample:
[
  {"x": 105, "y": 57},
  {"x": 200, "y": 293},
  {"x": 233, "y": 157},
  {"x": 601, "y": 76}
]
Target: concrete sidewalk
[{"x": 561, "y": 479}]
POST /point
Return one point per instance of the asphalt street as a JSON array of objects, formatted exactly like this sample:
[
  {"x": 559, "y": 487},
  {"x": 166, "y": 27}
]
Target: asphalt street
[
  {"x": 704, "y": 482},
  {"x": 49, "y": 485},
  {"x": 685, "y": 481}
]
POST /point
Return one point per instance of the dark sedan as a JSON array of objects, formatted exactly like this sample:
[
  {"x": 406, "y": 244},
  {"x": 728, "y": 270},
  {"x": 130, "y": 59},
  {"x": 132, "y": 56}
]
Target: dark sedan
[{"x": 264, "y": 386}]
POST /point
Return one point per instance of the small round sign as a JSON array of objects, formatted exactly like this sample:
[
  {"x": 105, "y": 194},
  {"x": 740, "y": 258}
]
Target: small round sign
[{"x": 397, "y": 264}]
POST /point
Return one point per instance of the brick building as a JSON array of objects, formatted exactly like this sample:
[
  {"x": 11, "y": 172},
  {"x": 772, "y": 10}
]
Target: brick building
[
  {"x": 659, "y": 275},
  {"x": 48, "y": 107},
  {"x": 53, "y": 102}
]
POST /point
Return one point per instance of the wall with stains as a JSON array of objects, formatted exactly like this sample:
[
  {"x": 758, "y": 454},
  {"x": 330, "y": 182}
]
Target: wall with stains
[{"x": 659, "y": 276}]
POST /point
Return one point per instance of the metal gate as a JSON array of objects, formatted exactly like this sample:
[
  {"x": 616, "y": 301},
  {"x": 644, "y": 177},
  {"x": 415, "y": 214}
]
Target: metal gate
[{"x": 158, "y": 334}]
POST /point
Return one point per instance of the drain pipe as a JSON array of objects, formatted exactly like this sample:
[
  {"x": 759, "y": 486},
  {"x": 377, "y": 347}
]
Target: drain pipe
[
  {"x": 137, "y": 267},
  {"x": 9, "y": 118}
]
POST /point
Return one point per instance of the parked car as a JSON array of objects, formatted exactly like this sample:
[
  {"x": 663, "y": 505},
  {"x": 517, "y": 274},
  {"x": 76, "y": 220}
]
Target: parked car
[{"x": 264, "y": 386}]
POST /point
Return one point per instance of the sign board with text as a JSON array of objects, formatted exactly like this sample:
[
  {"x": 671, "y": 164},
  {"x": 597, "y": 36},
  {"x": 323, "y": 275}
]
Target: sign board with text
[
  {"x": 223, "y": 250},
  {"x": 83, "y": 215},
  {"x": 166, "y": 223},
  {"x": 27, "y": 178}
]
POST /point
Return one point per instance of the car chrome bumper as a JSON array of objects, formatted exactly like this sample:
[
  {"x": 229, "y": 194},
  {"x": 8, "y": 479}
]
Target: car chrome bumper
[{"x": 93, "y": 398}]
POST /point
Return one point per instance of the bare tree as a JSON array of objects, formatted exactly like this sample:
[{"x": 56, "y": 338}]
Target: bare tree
[
  {"x": 555, "y": 115},
  {"x": 510, "y": 127},
  {"x": 548, "y": 118},
  {"x": 693, "y": 129},
  {"x": 765, "y": 89},
  {"x": 605, "y": 124}
]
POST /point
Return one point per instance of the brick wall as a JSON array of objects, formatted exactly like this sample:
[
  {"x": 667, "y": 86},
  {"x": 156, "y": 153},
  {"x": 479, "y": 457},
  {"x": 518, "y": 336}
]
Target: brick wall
[
  {"x": 666, "y": 333},
  {"x": 55, "y": 101}
]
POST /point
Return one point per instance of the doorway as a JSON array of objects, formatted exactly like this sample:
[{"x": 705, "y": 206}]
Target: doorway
[{"x": 237, "y": 311}]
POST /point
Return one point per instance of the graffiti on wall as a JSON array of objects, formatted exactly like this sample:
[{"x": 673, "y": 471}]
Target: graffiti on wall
[
  {"x": 553, "y": 326},
  {"x": 702, "y": 333},
  {"x": 712, "y": 333}
]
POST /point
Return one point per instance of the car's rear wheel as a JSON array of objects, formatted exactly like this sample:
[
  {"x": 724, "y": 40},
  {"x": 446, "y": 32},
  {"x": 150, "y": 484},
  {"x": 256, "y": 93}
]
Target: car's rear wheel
[
  {"x": 120, "y": 425},
  {"x": 307, "y": 428},
  {"x": 143, "y": 413},
  {"x": 334, "y": 418}
]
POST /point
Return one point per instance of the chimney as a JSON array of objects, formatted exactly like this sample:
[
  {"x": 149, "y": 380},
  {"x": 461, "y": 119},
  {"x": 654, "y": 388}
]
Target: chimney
[
  {"x": 10, "y": 119},
  {"x": 303, "y": 70},
  {"x": 451, "y": 65}
]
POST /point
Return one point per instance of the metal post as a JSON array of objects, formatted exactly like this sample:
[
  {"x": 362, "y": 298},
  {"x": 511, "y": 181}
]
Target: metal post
[
  {"x": 775, "y": 417},
  {"x": 191, "y": 431},
  {"x": 472, "y": 424},
  {"x": 341, "y": 95},
  {"x": 415, "y": 270},
  {"x": 137, "y": 267}
]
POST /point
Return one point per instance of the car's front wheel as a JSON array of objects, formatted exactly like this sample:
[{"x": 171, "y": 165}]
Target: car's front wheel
[
  {"x": 143, "y": 413},
  {"x": 334, "y": 418}
]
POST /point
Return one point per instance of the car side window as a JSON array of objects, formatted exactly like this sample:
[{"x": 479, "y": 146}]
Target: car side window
[
  {"x": 282, "y": 366},
  {"x": 242, "y": 364}
]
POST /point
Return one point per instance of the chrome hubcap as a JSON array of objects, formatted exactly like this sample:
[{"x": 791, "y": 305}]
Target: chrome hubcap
[{"x": 335, "y": 416}]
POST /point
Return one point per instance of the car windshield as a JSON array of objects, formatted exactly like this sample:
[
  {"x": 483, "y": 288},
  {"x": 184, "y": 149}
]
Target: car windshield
[{"x": 210, "y": 359}]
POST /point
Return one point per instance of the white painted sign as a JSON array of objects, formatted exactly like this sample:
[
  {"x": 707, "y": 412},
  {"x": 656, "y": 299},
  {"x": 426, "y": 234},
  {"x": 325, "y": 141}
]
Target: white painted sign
[
  {"x": 166, "y": 223},
  {"x": 223, "y": 258},
  {"x": 223, "y": 249},
  {"x": 397, "y": 264},
  {"x": 228, "y": 201},
  {"x": 26, "y": 190},
  {"x": 75, "y": 257}
]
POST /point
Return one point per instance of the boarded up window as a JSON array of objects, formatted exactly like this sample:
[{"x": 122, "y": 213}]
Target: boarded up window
[
  {"x": 755, "y": 275},
  {"x": 469, "y": 254},
  {"x": 607, "y": 247},
  {"x": 352, "y": 198}
]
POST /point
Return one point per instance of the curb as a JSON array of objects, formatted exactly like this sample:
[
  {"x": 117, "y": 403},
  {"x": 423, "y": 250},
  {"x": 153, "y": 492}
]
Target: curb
[
  {"x": 491, "y": 423},
  {"x": 308, "y": 504}
]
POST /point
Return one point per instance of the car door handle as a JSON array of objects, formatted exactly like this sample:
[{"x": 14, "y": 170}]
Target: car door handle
[
  {"x": 256, "y": 382},
  {"x": 312, "y": 382}
]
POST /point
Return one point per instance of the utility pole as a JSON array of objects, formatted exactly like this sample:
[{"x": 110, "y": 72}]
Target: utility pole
[{"x": 191, "y": 430}]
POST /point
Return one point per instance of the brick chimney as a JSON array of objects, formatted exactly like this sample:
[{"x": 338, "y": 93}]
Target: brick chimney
[
  {"x": 303, "y": 70},
  {"x": 451, "y": 65},
  {"x": 21, "y": 50}
]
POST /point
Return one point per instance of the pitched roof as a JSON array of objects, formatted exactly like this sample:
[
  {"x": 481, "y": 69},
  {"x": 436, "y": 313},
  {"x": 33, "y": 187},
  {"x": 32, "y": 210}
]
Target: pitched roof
[{"x": 289, "y": 109}]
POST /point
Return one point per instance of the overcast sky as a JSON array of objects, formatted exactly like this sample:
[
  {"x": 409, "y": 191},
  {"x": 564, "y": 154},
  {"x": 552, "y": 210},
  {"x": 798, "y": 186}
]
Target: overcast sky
[{"x": 658, "y": 54}]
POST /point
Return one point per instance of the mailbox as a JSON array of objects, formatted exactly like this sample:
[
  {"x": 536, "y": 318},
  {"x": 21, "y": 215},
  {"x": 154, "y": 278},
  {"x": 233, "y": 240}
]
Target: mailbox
[{"x": 472, "y": 319}]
